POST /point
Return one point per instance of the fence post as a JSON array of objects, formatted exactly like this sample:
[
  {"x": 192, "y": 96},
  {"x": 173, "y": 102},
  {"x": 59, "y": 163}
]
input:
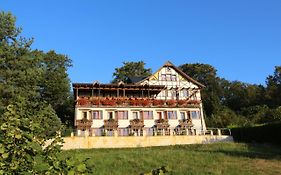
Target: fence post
[
  {"x": 219, "y": 132},
  {"x": 86, "y": 133},
  {"x": 144, "y": 133},
  {"x": 115, "y": 133},
  {"x": 171, "y": 132}
]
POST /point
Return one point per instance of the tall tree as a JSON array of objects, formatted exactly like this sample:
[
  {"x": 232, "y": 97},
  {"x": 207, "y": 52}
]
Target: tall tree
[
  {"x": 273, "y": 89},
  {"x": 55, "y": 87},
  {"x": 27, "y": 120},
  {"x": 238, "y": 95},
  {"x": 130, "y": 69}
]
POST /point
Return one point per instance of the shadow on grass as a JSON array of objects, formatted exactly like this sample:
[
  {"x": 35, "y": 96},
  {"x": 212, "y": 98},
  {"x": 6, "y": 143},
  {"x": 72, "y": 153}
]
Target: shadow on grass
[{"x": 253, "y": 150}]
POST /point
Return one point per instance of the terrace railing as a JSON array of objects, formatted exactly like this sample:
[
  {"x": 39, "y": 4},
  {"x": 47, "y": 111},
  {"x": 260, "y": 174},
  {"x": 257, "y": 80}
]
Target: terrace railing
[{"x": 140, "y": 102}]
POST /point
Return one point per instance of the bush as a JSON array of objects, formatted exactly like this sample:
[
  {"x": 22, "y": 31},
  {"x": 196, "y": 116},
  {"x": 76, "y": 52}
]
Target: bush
[{"x": 269, "y": 133}]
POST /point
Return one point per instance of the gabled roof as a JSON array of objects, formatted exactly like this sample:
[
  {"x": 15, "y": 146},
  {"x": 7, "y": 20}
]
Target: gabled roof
[
  {"x": 169, "y": 64},
  {"x": 136, "y": 79}
]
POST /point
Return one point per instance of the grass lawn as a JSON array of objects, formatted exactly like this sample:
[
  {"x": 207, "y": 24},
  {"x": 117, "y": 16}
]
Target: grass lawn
[{"x": 219, "y": 158}]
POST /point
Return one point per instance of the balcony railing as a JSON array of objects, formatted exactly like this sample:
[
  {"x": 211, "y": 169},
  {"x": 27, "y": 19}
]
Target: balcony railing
[
  {"x": 139, "y": 102},
  {"x": 110, "y": 124},
  {"x": 84, "y": 123},
  {"x": 162, "y": 124},
  {"x": 136, "y": 124},
  {"x": 185, "y": 123}
]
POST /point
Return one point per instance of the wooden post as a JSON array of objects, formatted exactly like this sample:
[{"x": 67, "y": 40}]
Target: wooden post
[
  {"x": 144, "y": 133},
  {"x": 115, "y": 133},
  {"x": 171, "y": 131},
  {"x": 219, "y": 132}
]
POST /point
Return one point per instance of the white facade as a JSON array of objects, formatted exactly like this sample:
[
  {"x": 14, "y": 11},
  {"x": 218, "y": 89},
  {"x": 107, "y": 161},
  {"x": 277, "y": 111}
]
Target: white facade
[{"x": 178, "y": 87}]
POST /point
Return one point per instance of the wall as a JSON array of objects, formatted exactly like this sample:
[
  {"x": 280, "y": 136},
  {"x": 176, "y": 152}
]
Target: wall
[{"x": 130, "y": 142}]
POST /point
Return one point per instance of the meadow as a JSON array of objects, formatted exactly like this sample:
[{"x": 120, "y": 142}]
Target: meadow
[{"x": 219, "y": 158}]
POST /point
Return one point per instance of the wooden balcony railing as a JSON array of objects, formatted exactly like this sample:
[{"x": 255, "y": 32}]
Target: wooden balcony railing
[
  {"x": 84, "y": 123},
  {"x": 110, "y": 124},
  {"x": 162, "y": 124},
  {"x": 185, "y": 123},
  {"x": 136, "y": 124}
]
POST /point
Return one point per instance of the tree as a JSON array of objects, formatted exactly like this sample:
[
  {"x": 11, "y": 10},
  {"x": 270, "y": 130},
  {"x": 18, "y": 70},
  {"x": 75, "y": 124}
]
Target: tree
[
  {"x": 207, "y": 75},
  {"x": 27, "y": 120},
  {"x": 55, "y": 88},
  {"x": 273, "y": 89},
  {"x": 238, "y": 95},
  {"x": 129, "y": 70}
]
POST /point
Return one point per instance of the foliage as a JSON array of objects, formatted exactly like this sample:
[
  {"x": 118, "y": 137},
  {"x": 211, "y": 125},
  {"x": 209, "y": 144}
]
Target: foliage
[
  {"x": 268, "y": 133},
  {"x": 55, "y": 88},
  {"x": 236, "y": 103},
  {"x": 207, "y": 75},
  {"x": 27, "y": 119},
  {"x": 130, "y": 70},
  {"x": 273, "y": 89},
  {"x": 23, "y": 148}
]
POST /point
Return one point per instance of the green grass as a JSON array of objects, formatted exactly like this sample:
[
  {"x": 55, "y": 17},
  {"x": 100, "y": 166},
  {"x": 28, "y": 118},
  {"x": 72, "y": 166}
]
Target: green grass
[{"x": 220, "y": 158}]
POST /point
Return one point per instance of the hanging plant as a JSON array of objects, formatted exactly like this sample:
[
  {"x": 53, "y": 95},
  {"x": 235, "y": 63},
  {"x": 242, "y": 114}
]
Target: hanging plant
[
  {"x": 82, "y": 101},
  {"x": 193, "y": 102},
  {"x": 171, "y": 102},
  {"x": 95, "y": 101},
  {"x": 158, "y": 102},
  {"x": 120, "y": 101},
  {"x": 108, "y": 102},
  {"x": 182, "y": 102},
  {"x": 134, "y": 102},
  {"x": 145, "y": 102}
]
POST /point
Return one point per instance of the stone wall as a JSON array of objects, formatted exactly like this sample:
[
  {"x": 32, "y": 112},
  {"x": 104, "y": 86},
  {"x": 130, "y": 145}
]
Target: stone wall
[{"x": 131, "y": 142}]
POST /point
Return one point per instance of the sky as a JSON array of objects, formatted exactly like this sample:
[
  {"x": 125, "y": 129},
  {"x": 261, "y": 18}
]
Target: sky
[{"x": 240, "y": 38}]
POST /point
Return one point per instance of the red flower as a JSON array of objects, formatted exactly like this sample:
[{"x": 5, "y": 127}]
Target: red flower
[{"x": 82, "y": 101}]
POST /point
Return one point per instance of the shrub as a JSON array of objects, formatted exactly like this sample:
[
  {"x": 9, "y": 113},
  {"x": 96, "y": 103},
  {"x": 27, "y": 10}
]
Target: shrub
[{"x": 269, "y": 133}]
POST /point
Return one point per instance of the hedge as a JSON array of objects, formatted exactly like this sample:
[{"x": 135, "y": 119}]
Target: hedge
[{"x": 269, "y": 133}]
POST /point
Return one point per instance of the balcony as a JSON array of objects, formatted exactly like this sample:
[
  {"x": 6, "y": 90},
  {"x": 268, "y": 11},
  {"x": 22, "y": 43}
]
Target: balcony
[
  {"x": 136, "y": 124},
  {"x": 138, "y": 102},
  {"x": 185, "y": 123},
  {"x": 84, "y": 123},
  {"x": 162, "y": 124},
  {"x": 110, "y": 124}
]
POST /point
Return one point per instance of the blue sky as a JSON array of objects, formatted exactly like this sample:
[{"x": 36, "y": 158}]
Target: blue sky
[{"x": 241, "y": 38}]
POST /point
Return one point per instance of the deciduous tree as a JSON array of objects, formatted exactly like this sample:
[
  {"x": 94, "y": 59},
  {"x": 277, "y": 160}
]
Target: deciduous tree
[{"x": 130, "y": 69}]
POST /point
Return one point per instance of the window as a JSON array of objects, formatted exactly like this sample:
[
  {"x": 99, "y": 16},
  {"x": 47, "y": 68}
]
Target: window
[
  {"x": 85, "y": 115},
  {"x": 110, "y": 115},
  {"x": 174, "y": 93},
  {"x": 97, "y": 115},
  {"x": 168, "y": 77},
  {"x": 195, "y": 114},
  {"x": 147, "y": 115},
  {"x": 185, "y": 93},
  {"x": 135, "y": 115},
  {"x": 172, "y": 114},
  {"x": 163, "y": 77},
  {"x": 182, "y": 114},
  {"x": 122, "y": 115},
  {"x": 159, "y": 115},
  {"x": 174, "y": 78}
]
